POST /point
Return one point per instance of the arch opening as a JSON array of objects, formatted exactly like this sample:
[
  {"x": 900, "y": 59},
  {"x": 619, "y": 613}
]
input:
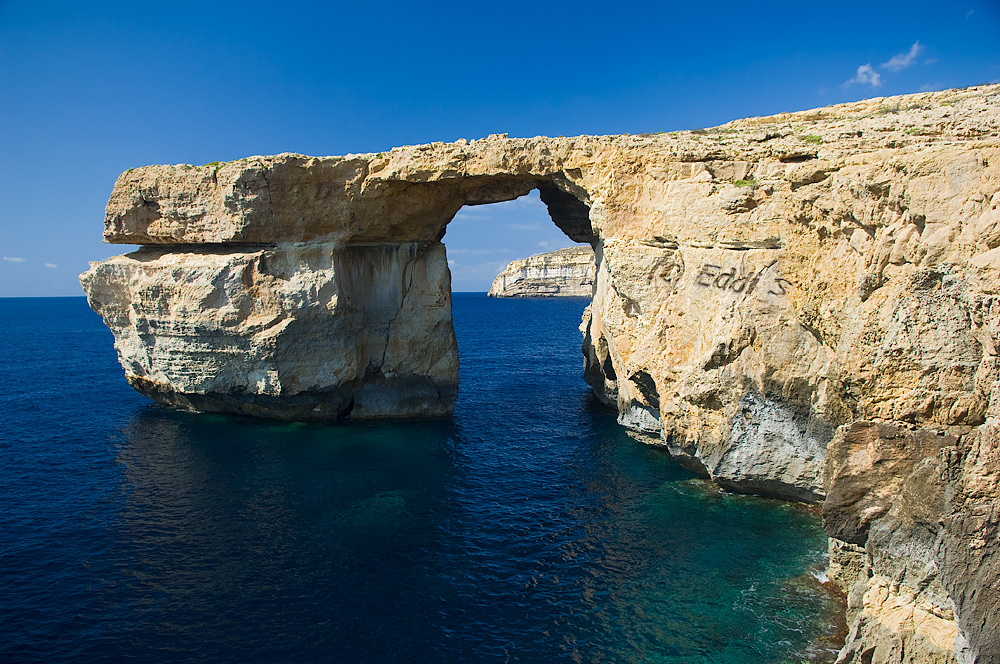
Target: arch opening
[
  {"x": 509, "y": 223},
  {"x": 486, "y": 236},
  {"x": 568, "y": 204},
  {"x": 347, "y": 314}
]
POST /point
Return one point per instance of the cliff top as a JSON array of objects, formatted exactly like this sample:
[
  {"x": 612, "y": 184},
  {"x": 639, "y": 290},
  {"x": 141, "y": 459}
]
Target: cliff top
[{"x": 412, "y": 192}]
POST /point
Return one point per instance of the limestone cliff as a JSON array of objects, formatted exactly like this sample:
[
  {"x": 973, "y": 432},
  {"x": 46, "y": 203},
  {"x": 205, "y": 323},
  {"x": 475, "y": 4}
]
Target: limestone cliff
[
  {"x": 804, "y": 305},
  {"x": 562, "y": 273},
  {"x": 296, "y": 332}
]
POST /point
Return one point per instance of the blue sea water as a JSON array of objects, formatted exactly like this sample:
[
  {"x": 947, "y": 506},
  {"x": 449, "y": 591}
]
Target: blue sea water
[{"x": 527, "y": 528}]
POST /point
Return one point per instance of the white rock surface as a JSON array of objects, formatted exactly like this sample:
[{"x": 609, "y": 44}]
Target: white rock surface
[
  {"x": 562, "y": 273},
  {"x": 300, "y": 332}
]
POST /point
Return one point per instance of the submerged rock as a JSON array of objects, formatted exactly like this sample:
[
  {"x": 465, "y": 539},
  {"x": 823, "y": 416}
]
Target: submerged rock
[{"x": 805, "y": 305}]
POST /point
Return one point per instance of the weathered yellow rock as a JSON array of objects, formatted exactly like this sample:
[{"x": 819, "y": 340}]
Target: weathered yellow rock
[{"x": 896, "y": 627}]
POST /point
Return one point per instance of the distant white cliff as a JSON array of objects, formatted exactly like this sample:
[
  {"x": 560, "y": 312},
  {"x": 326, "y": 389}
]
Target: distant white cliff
[{"x": 567, "y": 272}]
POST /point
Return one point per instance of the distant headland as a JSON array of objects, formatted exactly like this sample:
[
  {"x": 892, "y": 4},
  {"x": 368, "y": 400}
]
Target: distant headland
[{"x": 568, "y": 272}]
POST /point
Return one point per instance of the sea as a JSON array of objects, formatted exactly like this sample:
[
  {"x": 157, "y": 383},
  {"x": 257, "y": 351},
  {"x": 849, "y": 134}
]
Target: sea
[{"x": 528, "y": 527}]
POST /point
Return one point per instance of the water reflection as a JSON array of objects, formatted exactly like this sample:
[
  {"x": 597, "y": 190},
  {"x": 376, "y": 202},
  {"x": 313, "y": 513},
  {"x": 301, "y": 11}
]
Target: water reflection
[{"x": 237, "y": 537}]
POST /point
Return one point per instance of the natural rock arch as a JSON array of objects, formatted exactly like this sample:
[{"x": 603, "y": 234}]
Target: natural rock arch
[
  {"x": 805, "y": 306},
  {"x": 317, "y": 289}
]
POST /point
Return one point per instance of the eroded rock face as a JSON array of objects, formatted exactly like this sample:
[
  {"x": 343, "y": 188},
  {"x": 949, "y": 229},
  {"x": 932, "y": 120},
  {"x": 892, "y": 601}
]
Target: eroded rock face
[
  {"x": 562, "y": 273},
  {"x": 969, "y": 539},
  {"x": 297, "y": 332},
  {"x": 886, "y": 497},
  {"x": 766, "y": 291},
  {"x": 915, "y": 513}
]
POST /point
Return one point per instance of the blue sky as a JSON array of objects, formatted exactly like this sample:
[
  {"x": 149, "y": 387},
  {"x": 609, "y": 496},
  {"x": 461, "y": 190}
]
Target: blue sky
[{"x": 88, "y": 90}]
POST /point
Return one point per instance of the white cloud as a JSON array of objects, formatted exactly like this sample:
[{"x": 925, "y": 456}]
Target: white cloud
[
  {"x": 866, "y": 76},
  {"x": 554, "y": 243},
  {"x": 490, "y": 269},
  {"x": 13, "y": 259},
  {"x": 50, "y": 265},
  {"x": 531, "y": 200},
  {"x": 971, "y": 12},
  {"x": 462, "y": 214},
  {"x": 483, "y": 271},
  {"x": 903, "y": 60},
  {"x": 477, "y": 252}
]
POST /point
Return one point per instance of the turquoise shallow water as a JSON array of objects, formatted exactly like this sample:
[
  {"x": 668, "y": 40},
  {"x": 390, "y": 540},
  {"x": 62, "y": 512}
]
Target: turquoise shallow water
[{"x": 527, "y": 528}]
